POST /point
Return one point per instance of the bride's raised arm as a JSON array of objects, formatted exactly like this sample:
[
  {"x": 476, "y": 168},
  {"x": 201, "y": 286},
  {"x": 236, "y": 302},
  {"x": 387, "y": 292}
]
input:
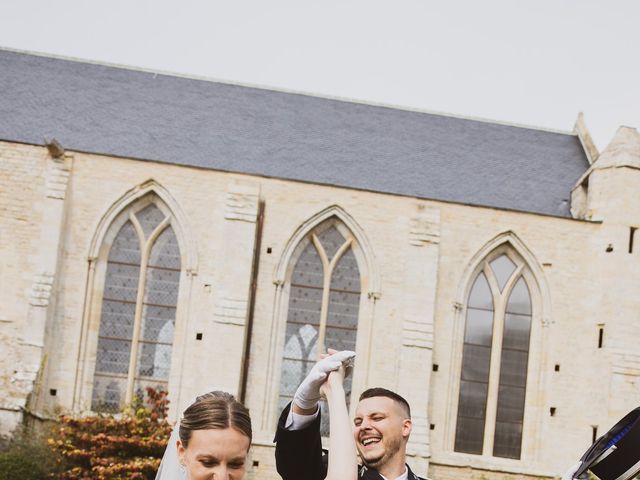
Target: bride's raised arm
[{"x": 342, "y": 449}]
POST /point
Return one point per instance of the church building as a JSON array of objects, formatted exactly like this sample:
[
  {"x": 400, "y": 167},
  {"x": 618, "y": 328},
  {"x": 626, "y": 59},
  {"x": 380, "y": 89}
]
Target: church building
[{"x": 191, "y": 235}]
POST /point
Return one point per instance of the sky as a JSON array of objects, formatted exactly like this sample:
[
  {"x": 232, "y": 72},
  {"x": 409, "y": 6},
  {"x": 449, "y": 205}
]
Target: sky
[{"x": 528, "y": 62}]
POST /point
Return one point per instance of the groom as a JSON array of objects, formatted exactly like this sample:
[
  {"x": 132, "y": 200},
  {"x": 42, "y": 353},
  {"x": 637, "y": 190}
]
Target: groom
[{"x": 382, "y": 426}]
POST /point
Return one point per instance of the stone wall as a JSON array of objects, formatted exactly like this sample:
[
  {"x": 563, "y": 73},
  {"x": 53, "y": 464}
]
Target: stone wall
[
  {"x": 22, "y": 193},
  {"x": 415, "y": 256}
]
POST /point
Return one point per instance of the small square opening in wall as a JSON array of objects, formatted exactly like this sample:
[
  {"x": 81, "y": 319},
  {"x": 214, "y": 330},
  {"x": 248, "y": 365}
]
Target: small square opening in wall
[
  {"x": 557, "y": 367},
  {"x": 53, "y": 392},
  {"x": 432, "y": 426},
  {"x": 434, "y": 367},
  {"x": 269, "y": 250},
  {"x": 552, "y": 411},
  {"x": 256, "y": 463},
  {"x": 198, "y": 336}
]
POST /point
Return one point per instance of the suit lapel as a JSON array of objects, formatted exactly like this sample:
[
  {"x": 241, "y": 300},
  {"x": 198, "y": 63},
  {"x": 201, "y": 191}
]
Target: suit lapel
[
  {"x": 366, "y": 473},
  {"x": 411, "y": 475}
]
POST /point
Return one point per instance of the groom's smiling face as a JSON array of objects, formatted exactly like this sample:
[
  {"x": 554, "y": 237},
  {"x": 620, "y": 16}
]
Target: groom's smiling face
[{"x": 381, "y": 430}]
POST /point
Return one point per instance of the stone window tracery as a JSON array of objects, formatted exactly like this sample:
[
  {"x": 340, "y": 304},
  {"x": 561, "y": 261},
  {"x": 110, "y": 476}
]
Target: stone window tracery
[
  {"x": 323, "y": 307},
  {"x": 495, "y": 355},
  {"x": 138, "y": 311}
]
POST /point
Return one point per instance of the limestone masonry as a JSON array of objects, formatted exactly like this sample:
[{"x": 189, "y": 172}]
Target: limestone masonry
[{"x": 503, "y": 305}]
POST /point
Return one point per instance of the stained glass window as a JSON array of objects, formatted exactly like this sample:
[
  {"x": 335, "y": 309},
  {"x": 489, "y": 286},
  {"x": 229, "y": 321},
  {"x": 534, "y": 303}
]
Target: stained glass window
[
  {"x": 513, "y": 373},
  {"x": 326, "y": 272},
  {"x": 476, "y": 359},
  {"x": 154, "y": 262},
  {"x": 476, "y": 381}
]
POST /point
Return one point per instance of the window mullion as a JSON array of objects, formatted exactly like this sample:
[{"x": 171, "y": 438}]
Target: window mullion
[
  {"x": 512, "y": 281},
  {"x": 341, "y": 251},
  {"x": 157, "y": 231},
  {"x": 137, "y": 319},
  {"x": 326, "y": 291},
  {"x": 326, "y": 283},
  {"x": 496, "y": 354}
]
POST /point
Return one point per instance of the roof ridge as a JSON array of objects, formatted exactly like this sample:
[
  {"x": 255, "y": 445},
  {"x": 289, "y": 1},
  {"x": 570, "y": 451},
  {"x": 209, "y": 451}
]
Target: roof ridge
[{"x": 338, "y": 98}]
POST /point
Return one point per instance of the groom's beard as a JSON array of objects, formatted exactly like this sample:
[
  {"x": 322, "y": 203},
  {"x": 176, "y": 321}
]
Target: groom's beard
[{"x": 390, "y": 447}]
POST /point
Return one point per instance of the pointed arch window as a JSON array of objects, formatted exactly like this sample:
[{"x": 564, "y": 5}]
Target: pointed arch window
[
  {"x": 495, "y": 357},
  {"x": 323, "y": 308},
  {"x": 138, "y": 312}
]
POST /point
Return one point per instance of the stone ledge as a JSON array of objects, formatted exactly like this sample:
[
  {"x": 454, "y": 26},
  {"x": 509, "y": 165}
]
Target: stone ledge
[
  {"x": 417, "y": 334},
  {"x": 424, "y": 228},
  {"x": 242, "y": 204},
  {"x": 231, "y": 311},
  {"x": 41, "y": 289}
]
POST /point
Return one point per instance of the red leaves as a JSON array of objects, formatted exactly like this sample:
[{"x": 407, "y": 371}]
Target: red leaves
[{"x": 124, "y": 446}]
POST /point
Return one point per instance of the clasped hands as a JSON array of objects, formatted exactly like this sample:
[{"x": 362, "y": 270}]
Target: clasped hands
[{"x": 315, "y": 384}]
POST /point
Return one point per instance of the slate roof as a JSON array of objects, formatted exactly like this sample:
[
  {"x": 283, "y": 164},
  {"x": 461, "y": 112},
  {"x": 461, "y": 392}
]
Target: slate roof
[{"x": 130, "y": 113}]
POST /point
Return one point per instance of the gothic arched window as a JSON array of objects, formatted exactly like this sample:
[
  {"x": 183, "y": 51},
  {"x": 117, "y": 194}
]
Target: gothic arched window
[
  {"x": 323, "y": 309},
  {"x": 495, "y": 356},
  {"x": 138, "y": 311}
]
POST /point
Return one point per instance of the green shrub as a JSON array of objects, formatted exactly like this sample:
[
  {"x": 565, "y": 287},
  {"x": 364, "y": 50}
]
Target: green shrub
[
  {"x": 18, "y": 464},
  {"x": 27, "y": 457}
]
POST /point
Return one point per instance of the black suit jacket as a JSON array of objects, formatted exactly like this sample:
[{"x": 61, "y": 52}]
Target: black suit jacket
[{"x": 299, "y": 454}]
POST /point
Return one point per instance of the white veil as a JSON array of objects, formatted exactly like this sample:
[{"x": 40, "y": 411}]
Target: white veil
[{"x": 170, "y": 468}]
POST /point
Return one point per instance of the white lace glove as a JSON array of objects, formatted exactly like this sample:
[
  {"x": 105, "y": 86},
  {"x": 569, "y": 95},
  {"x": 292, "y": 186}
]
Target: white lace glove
[{"x": 308, "y": 393}]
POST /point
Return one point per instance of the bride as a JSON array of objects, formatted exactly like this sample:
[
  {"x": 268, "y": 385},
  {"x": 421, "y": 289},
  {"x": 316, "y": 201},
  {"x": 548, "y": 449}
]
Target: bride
[{"x": 212, "y": 440}]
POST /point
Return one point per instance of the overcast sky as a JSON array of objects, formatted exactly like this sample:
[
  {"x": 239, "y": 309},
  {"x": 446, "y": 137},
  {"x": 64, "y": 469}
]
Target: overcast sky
[{"x": 532, "y": 62}]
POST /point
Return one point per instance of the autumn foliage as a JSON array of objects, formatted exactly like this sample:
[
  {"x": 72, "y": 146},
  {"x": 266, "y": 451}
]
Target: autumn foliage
[{"x": 129, "y": 445}]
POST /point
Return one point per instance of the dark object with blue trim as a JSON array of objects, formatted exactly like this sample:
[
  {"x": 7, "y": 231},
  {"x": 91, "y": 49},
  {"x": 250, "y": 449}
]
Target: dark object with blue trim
[{"x": 615, "y": 455}]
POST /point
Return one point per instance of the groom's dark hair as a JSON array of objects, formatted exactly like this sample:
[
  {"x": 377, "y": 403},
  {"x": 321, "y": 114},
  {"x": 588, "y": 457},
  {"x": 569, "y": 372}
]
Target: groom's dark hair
[{"x": 383, "y": 392}]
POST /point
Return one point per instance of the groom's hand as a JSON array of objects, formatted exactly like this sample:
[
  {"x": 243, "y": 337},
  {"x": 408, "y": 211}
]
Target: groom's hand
[{"x": 305, "y": 400}]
